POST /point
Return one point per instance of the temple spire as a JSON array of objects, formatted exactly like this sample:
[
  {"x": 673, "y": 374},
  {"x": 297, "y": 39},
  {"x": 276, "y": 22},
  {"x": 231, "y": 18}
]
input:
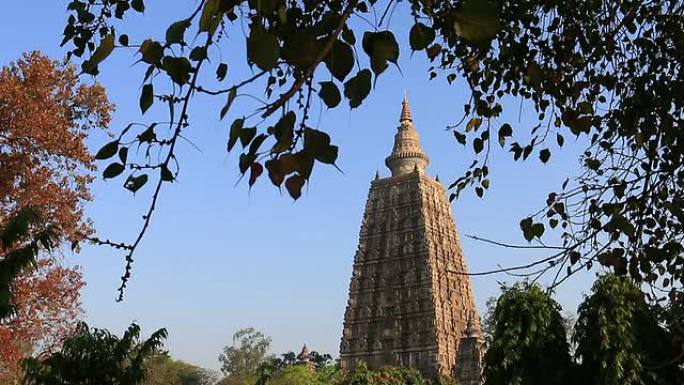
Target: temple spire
[
  {"x": 405, "y": 111},
  {"x": 407, "y": 153}
]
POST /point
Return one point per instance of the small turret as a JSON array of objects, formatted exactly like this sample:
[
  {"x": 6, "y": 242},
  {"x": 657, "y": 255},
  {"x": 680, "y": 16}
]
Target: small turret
[{"x": 304, "y": 358}]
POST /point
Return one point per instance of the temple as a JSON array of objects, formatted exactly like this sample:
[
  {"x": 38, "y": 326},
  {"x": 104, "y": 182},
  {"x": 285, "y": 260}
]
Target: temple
[{"x": 410, "y": 303}]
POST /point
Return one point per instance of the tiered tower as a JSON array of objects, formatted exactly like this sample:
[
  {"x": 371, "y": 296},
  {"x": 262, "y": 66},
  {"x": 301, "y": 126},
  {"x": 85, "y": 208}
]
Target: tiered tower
[{"x": 409, "y": 302}]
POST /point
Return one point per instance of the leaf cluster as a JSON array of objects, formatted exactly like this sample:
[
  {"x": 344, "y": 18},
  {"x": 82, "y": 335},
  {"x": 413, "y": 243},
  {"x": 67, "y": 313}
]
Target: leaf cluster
[
  {"x": 619, "y": 339},
  {"x": 95, "y": 356},
  {"x": 607, "y": 74}
]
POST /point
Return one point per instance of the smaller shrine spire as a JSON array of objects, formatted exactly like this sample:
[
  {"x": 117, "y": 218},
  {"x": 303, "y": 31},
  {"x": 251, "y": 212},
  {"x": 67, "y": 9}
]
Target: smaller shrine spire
[{"x": 473, "y": 328}]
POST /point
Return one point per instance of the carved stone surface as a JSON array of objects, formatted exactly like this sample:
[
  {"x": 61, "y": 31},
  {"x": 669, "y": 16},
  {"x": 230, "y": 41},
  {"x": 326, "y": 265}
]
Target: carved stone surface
[{"x": 409, "y": 302}]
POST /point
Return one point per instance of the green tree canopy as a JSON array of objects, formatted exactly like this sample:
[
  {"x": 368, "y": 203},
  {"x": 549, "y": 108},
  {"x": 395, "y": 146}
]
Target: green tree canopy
[
  {"x": 163, "y": 370},
  {"x": 242, "y": 361},
  {"x": 528, "y": 344},
  {"x": 95, "y": 356},
  {"x": 619, "y": 339}
]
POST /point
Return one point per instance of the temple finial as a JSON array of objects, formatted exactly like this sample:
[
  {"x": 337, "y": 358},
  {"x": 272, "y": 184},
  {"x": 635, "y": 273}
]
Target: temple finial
[
  {"x": 437, "y": 178},
  {"x": 407, "y": 155},
  {"x": 377, "y": 175},
  {"x": 405, "y": 110}
]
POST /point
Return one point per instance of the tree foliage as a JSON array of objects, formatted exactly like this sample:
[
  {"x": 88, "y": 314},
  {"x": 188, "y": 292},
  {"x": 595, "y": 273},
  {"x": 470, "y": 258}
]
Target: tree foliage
[
  {"x": 47, "y": 302},
  {"x": 95, "y": 356},
  {"x": 45, "y": 115},
  {"x": 528, "y": 345},
  {"x": 619, "y": 339},
  {"x": 163, "y": 370},
  {"x": 241, "y": 361},
  {"x": 361, "y": 375},
  {"x": 607, "y": 73}
]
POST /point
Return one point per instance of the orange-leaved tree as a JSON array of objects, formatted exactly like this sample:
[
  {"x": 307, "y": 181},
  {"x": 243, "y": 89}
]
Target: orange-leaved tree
[
  {"x": 45, "y": 115},
  {"x": 47, "y": 306},
  {"x": 45, "y": 166}
]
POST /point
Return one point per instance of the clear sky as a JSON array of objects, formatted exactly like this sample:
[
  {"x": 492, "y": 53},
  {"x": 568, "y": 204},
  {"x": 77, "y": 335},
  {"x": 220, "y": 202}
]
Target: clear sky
[{"x": 219, "y": 257}]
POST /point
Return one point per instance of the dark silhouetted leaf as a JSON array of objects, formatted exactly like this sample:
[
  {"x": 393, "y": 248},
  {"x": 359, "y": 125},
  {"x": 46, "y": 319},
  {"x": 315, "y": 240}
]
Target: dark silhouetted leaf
[
  {"x": 294, "y": 186},
  {"x": 330, "y": 94},
  {"x": 134, "y": 183},
  {"x": 231, "y": 97},
  {"x": 255, "y": 170},
  {"x": 421, "y": 36},
  {"x": 123, "y": 154},
  {"x": 381, "y": 47},
  {"x": 175, "y": 34},
  {"x": 357, "y": 88},
  {"x": 340, "y": 60},
  {"x": 113, "y": 170},
  {"x": 152, "y": 52},
  {"x": 146, "y": 97},
  {"x": 138, "y": 5},
  {"x": 123, "y": 40},
  {"x": 235, "y": 130},
  {"x": 262, "y": 49},
  {"x": 477, "y": 21},
  {"x": 166, "y": 174},
  {"x": 221, "y": 71},
  {"x": 108, "y": 150},
  {"x": 178, "y": 69},
  {"x": 544, "y": 155},
  {"x": 284, "y": 133}
]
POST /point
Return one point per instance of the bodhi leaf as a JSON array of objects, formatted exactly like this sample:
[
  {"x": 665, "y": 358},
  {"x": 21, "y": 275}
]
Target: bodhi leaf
[
  {"x": 105, "y": 49},
  {"x": 231, "y": 97},
  {"x": 178, "y": 68},
  {"x": 505, "y": 131},
  {"x": 246, "y": 135},
  {"x": 146, "y": 97},
  {"x": 246, "y": 161},
  {"x": 381, "y": 47},
  {"x": 211, "y": 16},
  {"x": 134, "y": 183},
  {"x": 152, "y": 52},
  {"x": 294, "y": 186},
  {"x": 138, "y": 5},
  {"x": 235, "y": 130},
  {"x": 175, "y": 34},
  {"x": 123, "y": 154},
  {"x": 255, "y": 170},
  {"x": 317, "y": 143},
  {"x": 284, "y": 132},
  {"x": 148, "y": 135},
  {"x": 544, "y": 155},
  {"x": 262, "y": 49},
  {"x": 421, "y": 36},
  {"x": 477, "y": 21},
  {"x": 221, "y": 71},
  {"x": 340, "y": 60},
  {"x": 357, "y": 88},
  {"x": 348, "y": 35},
  {"x": 123, "y": 40},
  {"x": 113, "y": 170},
  {"x": 108, "y": 150},
  {"x": 330, "y": 94},
  {"x": 166, "y": 174},
  {"x": 198, "y": 53}
]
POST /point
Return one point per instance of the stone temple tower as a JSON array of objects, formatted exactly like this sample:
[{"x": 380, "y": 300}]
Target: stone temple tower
[{"x": 409, "y": 303}]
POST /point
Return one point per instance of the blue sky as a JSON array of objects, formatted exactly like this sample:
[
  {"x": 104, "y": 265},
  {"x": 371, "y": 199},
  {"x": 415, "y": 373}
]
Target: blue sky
[{"x": 219, "y": 257}]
